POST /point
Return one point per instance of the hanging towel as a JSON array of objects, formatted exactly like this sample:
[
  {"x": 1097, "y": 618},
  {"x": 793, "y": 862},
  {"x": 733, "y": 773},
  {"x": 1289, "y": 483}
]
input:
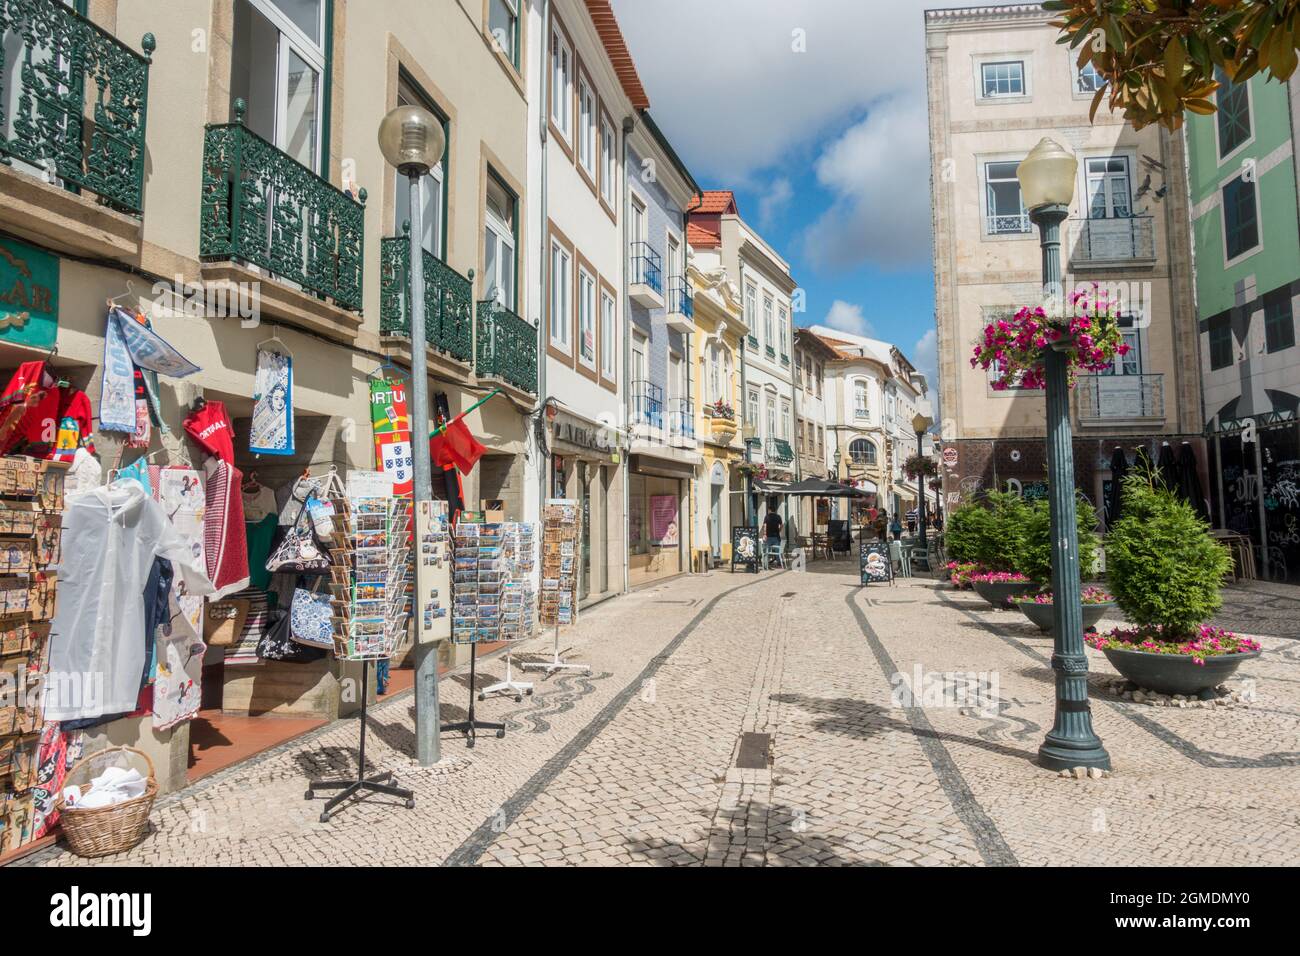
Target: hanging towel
[
  {"x": 224, "y": 543},
  {"x": 146, "y": 348},
  {"x": 117, "y": 392},
  {"x": 272, "y": 429}
]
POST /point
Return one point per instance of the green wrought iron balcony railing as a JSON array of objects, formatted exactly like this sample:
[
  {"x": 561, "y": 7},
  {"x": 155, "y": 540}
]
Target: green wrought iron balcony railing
[
  {"x": 505, "y": 346},
  {"x": 76, "y": 108},
  {"x": 448, "y": 298},
  {"x": 263, "y": 207},
  {"x": 779, "y": 451}
]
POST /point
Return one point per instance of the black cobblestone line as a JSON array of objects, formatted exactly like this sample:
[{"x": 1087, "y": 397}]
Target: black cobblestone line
[
  {"x": 476, "y": 844},
  {"x": 993, "y": 849},
  {"x": 1206, "y": 758}
]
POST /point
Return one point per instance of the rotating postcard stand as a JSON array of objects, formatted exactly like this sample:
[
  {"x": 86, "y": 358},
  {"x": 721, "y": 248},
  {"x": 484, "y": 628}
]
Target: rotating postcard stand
[
  {"x": 479, "y": 569},
  {"x": 518, "y": 607},
  {"x": 559, "y": 604},
  {"x": 370, "y": 580}
]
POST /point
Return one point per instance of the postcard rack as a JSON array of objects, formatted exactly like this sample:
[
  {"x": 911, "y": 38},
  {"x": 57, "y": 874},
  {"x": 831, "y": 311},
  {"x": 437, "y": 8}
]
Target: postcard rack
[{"x": 370, "y": 576}]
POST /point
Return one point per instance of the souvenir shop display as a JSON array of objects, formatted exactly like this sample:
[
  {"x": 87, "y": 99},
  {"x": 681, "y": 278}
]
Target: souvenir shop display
[
  {"x": 371, "y": 600},
  {"x": 432, "y": 572},
  {"x": 558, "y": 599},
  {"x": 31, "y": 545},
  {"x": 518, "y": 602},
  {"x": 479, "y": 571}
]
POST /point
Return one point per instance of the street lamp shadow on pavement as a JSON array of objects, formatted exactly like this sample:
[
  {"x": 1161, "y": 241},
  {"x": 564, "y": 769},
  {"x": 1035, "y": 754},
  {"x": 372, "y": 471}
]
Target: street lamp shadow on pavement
[{"x": 1047, "y": 178}]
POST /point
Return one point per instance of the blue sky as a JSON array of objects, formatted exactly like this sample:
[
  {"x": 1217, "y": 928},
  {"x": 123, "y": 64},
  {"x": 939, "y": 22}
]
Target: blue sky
[{"x": 813, "y": 111}]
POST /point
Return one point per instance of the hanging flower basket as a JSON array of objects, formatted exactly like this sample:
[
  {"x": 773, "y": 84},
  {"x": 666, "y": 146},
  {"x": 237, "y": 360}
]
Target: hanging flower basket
[
  {"x": 1089, "y": 336},
  {"x": 915, "y": 466},
  {"x": 752, "y": 470}
]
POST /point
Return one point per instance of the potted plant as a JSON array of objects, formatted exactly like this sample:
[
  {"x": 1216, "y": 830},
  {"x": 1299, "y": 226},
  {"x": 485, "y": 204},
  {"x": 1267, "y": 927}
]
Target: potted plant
[
  {"x": 1001, "y": 588},
  {"x": 1166, "y": 573},
  {"x": 1036, "y": 561},
  {"x": 995, "y": 541},
  {"x": 959, "y": 573}
]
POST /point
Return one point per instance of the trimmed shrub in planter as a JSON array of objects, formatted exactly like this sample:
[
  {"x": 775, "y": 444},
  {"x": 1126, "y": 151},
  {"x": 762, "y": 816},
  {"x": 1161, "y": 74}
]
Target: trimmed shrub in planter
[
  {"x": 990, "y": 533},
  {"x": 1166, "y": 573},
  {"x": 1038, "y": 608},
  {"x": 1035, "y": 557}
]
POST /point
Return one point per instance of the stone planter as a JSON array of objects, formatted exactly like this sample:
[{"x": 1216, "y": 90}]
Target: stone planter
[
  {"x": 1000, "y": 593},
  {"x": 1041, "y": 614},
  {"x": 1175, "y": 673}
]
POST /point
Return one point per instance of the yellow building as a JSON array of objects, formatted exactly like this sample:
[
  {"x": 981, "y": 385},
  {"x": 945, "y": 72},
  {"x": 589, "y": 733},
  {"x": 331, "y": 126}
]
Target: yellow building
[{"x": 717, "y": 502}]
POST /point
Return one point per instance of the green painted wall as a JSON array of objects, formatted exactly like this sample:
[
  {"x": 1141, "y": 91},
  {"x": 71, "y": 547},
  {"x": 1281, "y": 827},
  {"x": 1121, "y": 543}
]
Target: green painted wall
[{"x": 1279, "y": 261}]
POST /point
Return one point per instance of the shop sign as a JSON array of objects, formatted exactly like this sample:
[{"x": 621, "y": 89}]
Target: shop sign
[
  {"x": 29, "y": 295},
  {"x": 950, "y": 456},
  {"x": 873, "y": 563},
  {"x": 582, "y": 435},
  {"x": 744, "y": 549},
  {"x": 388, "y": 418}
]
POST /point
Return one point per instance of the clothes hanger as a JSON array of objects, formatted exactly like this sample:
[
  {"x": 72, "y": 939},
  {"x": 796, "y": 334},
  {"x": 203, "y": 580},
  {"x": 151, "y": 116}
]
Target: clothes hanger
[
  {"x": 130, "y": 292},
  {"x": 275, "y": 337}
]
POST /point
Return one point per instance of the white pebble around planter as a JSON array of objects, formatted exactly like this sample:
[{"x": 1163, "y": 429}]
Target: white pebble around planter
[{"x": 1226, "y": 698}]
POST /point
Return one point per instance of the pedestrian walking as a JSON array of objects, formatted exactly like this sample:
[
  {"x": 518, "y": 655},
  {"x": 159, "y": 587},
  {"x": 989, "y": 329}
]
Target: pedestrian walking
[{"x": 772, "y": 527}]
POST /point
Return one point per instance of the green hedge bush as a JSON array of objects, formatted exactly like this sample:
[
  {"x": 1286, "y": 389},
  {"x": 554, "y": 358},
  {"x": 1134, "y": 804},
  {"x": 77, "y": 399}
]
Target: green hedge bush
[
  {"x": 1161, "y": 565},
  {"x": 990, "y": 533},
  {"x": 1036, "y": 552}
]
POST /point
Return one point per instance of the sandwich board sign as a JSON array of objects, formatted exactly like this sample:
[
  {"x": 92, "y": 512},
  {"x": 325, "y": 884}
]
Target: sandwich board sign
[{"x": 873, "y": 562}]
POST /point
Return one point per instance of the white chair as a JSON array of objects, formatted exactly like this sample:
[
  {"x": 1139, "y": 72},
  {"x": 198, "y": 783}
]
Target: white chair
[
  {"x": 897, "y": 559},
  {"x": 773, "y": 551}
]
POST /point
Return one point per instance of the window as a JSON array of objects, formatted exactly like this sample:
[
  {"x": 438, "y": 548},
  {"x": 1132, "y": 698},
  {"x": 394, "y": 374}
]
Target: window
[
  {"x": 1233, "y": 116},
  {"x": 587, "y": 127},
  {"x": 278, "y": 70},
  {"x": 1005, "y": 207},
  {"x": 586, "y": 318},
  {"x": 862, "y": 452},
  {"x": 1221, "y": 346},
  {"x": 1003, "y": 79},
  {"x": 799, "y": 380},
  {"x": 561, "y": 297},
  {"x": 771, "y": 417},
  {"x": 817, "y": 378},
  {"x": 433, "y": 206},
  {"x": 1130, "y": 363},
  {"x": 751, "y": 307},
  {"x": 561, "y": 83},
  {"x": 1109, "y": 193},
  {"x": 673, "y": 263},
  {"x": 1279, "y": 324},
  {"x": 608, "y": 164},
  {"x": 638, "y": 358},
  {"x": 714, "y": 376},
  {"x": 821, "y": 442},
  {"x": 503, "y": 24},
  {"x": 636, "y": 228},
  {"x": 861, "y": 408},
  {"x": 769, "y": 339},
  {"x": 499, "y": 242},
  {"x": 1240, "y": 218},
  {"x": 785, "y": 420},
  {"x": 608, "y": 340},
  {"x": 751, "y": 413},
  {"x": 784, "y": 323},
  {"x": 1088, "y": 80}
]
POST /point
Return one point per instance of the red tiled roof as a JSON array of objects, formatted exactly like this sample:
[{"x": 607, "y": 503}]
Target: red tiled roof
[
  {"x": 602, "y": 16},
  {"x": 716, "y": 201},
  {"x": 701, "y": 238}
]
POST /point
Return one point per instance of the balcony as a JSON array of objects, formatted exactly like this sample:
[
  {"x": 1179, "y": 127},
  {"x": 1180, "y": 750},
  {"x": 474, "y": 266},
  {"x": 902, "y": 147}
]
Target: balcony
[
  {"x": 1110, "y": 400},
  {"x": 1121, "y": 242},
  {"x": 647, "y": 411},
  {"x": 72, "y": 130},
  {"x": 681, "y": 422},
  {"x": 261, "y": 207},
  {"x": 721, "y": 419},
  {"x": 505, "y": 346},
  {"x": 680, "y": 309},
  {"x": 646, "y": 276},
  {"x": 1012, "y": 225},
  {"x": 779, "y": 452},
  {"x": 448, "y": 299}
]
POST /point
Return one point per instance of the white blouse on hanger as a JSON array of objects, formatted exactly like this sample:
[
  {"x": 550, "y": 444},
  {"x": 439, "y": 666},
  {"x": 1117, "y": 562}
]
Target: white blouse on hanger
[{"x": 97, "y": 641}]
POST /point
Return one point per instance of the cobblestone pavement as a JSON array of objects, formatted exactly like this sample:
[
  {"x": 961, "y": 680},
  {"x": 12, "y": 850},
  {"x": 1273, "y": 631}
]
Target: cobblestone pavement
[{"x": 642, "y": 761}]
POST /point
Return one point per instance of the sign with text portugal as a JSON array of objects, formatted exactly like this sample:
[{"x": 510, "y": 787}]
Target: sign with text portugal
[{"x": 392, "y": 431}]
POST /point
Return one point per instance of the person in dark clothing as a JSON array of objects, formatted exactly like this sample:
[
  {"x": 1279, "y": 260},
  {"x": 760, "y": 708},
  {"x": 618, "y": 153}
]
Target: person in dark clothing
[{"x": 772, "y": 525}]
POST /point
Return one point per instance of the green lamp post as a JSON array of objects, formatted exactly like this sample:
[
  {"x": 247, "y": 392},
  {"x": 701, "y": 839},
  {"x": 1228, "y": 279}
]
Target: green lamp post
[{"x": 1047, "y": 178}]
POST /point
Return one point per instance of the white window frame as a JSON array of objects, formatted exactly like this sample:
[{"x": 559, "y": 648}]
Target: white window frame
[
  {"x": 504, "y": 237},
  {"x": 1107, "y": 177},
  {"x": 410, "y": 95},
  {"x": 561, "y": 298},
  {"x": 512, "y": 52},
  {"x": 561, "y": 66},
  {"x": 608, "y": 160},
  {"x": 1026, "y": 77},
  {"x": 754, "y": 411},
  {"x": 608, "y": 336},
  {"x": 862, "y": 387},
  {"x": 1076, "y": 74},
  {"x": 587, "y": 110},
  {"x": 785, "y": 420},
  {"x": 769, "y": 316},
  {"x": 751, "y": 307},
  {"x": 586, "y": 314},
  {"x": 783, "y": 320},
  {"x": 312, "y": 53},
  {"x": 986, "y": 211}
]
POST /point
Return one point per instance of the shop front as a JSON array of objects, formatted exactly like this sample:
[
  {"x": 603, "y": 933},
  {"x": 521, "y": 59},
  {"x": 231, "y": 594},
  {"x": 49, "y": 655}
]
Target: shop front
[
  {"x": 657, "y": 502},
  {"x": 586, "y": 467}
]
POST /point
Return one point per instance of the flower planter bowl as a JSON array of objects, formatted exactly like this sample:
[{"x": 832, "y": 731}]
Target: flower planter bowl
[
  {"x": 1000, "y": 593},
  {"x": 1041, "y": 614},
  {"x": 1176, "y": 673}
]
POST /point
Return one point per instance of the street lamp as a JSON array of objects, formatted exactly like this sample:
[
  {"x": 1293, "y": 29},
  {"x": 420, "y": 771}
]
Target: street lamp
[
  {"x": 412, "y": 141},
  {"x": 920, "y": 422},
  {"x": 1047, "y": 178},
  {"x": 749, "y": 432}
]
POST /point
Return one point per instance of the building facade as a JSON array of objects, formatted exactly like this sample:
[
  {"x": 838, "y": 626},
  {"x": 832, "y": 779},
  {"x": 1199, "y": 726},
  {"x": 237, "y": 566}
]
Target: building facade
[
  {"x": 588, "y": 93},
  {"x": 998, "y": 82},
  {"x": 664, "y": 457},
  {"x": 1246, "y": 229},
  {"x": 811, "y": 355}
]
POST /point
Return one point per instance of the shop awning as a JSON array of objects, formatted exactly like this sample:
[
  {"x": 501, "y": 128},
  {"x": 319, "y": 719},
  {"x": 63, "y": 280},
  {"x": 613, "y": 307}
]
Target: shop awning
[{"x": 822, "y": 488}]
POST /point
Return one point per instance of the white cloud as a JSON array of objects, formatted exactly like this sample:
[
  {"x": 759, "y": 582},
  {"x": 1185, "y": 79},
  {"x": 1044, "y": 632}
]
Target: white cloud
[
  {"x": 774, "y": 198},
  {"x": 848, "y": 317},
  {"x": 925, "y": 356},
  {"x": 878, "y": 173}
]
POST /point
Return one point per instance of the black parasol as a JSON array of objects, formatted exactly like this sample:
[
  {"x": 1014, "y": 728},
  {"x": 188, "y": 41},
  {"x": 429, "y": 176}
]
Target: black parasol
[
  {"x": 1189, "y": 480},
  {"x": 1118, "y": 472},
  {"x": 1168, "y": 467}
]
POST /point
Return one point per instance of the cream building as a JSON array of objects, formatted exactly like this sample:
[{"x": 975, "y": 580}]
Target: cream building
[
  {"x": 257, "y": 172},
  {"x": 998, "y": 83}
]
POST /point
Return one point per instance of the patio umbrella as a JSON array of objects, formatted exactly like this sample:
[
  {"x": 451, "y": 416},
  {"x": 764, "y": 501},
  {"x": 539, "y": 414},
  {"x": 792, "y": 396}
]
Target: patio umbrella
[
  {"x": 1168, "y": 467},
  {"x": 1142, "y": 463},
  {"x": 821, "y": 488},
  {"x": 1189, "y": 480},
  {"x": 1118, "y": 472}
]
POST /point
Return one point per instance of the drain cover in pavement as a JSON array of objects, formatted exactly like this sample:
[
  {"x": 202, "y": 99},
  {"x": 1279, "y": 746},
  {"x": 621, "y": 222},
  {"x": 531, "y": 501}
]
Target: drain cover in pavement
[{"x": 754, "y": 749}]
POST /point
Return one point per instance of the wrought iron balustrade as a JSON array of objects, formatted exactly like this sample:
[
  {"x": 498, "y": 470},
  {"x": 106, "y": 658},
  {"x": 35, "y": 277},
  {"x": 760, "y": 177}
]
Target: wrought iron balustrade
[
  {"x": 505, "y": 346},
  {"x": 448, "y": 298}
]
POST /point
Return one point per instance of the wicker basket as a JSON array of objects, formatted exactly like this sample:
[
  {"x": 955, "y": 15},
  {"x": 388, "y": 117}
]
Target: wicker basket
[{"x": 103, "y": 831}]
